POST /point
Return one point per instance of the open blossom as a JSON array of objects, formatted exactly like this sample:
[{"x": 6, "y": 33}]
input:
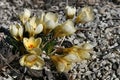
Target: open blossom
[
  {"x": 50, "y": 21},
  {"x": 85, "y": 15},
  {"x": 17, "y": 31},
  {"x": 31, "y": 43},
  {"x": 32, "y": 27},
  {"x": 32, "y": 61},
  {"x": 24, "y": 16},
  {"x": 65, "y": 29},
  {"x": 70, "y": 11},
  {"x": 62, "y": 65}
]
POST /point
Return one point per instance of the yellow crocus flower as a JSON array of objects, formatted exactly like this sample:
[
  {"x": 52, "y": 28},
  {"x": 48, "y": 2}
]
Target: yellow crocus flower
[
  {"x": 78, "y": 53},
  {"x": 62, "y": 64},
  {"x": 24, "y": 16},
  {"x": 85, "y": 15},
  {"x": 50, "y": 22},
  {"x": 17, "y": 31},
  {"x": 65, "y": 29},
  {"x": 31, "y": 43},
  {"x": 32, "y": 61},
  {"x": 70, "y": 11},
  {"x": 32, "y": 27},
  {"x": 40, "y": 18}
]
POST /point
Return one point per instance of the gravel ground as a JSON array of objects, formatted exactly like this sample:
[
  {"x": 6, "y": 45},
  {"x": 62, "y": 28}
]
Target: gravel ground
[{"x": 103, "y": 32}]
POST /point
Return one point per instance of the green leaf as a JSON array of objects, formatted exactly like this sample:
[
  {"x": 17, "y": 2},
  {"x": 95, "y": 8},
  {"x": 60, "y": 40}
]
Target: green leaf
[{"x": 50, "y": 46}]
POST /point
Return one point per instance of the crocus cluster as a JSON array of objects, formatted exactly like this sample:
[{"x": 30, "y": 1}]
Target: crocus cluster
[
  {"x": 70, "y": 56},
  {"x": 30, "y": 27}
]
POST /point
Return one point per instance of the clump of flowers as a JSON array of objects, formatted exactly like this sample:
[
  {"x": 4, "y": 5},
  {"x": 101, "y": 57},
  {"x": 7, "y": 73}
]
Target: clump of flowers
[{"x": 39, "y": 33}]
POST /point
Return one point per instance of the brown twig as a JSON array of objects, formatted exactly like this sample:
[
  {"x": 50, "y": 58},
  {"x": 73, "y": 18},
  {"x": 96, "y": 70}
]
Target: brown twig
[
  {"x": 82, "y": 29},
  {"x": 58, "y": 45},
  {"x": 7, "y": 63}
]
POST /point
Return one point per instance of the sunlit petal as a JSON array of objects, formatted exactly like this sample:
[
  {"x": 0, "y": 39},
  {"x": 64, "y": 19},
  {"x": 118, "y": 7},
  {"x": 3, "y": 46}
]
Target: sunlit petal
[
  {"x": 70, "y": 11},
  {"x": 32, "y": 61},
  {"x": 39, "y": 29},
  {"x": 85, "y": 15}
]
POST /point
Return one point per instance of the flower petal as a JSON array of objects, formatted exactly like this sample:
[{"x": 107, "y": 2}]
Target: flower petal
[
  {"x": 68, "y": 27},
  {"x": 39, "y": 64},
  {"x": 72, "y": 57},
  {"x": 41, "y": 17},
  {"x": 14, "y": 30},
  {"x": 36, "y": 51},
  {"x": 87, "y": 46},
  {"x": 51, "y": 24},
  {"x": 39, "y": 29},
  {"x": 22, "y": 60},
  {"x": 25, "y": 42},
  {"x": 27, "y": 13},
  {"x": 85, "y": 15},
  {"x": 20, "y": 31},
  {"x": 70, "y": 11},
  {"x": 38, "y": 42},
  {"x": 50, "y": 16},
  {"x": 32, "y": 61}
]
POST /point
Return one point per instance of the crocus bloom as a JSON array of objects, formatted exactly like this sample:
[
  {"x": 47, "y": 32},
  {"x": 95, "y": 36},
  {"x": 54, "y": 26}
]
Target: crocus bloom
[
  {"x": 24, "y": 16},
  {"x": 85, "y": 15},
  {"x": 70, "y": 11},
  {"x": 31, "y": 43},
  {"x": 72, "y": 55},
  {"x": 78, "y": 53},
  {"x": 65, "y": 29},
  {"x": 40, "y": 17},
  {"x": 32, "y": 61},
  {"x": 17, "y": 31},
  {"x": 62, "y": 65},
  {"x": 32, "y": 27},
  {"x": 50, "y": 21}
]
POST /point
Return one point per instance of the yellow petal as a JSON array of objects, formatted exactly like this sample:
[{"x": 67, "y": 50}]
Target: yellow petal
[
  {"x": 29, "y": 28},
  {"x": 40, "y": 18},
  {"x": 36, "y": 51},
  {"x": 66, "y": 29},
  {"x": 27, "y": 13},
  {"x": 20, "y": 31},
  {"x": 31, "y": 43},
  {"x": 60, "y": 67},
  {"x": 70, "y": 11},
  {"x": 22, "y": 61},
  {"x": 32, "y": 22},
  {"x": 38, "y": 42},
  {"x": 32, "y": 61},
  {"x": 13, "y": 30},
  {"x": 24, "y": 17},
  {"x": 69, "y": 29},
  {"x": 51, "y": 24},
  {"x": 50, "y": 16},
  {"x": 61, "y": 63},
  {"x": 39, "y": 64},
  {"x": 25, "y": 42},
  {"x": 72, "y": 57},
  {"x": 84, "y": 54},
  {"x": 87, "y": 46},
  {"x": 85, "y": 15},
  {"x": 39, "y": 29}
]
